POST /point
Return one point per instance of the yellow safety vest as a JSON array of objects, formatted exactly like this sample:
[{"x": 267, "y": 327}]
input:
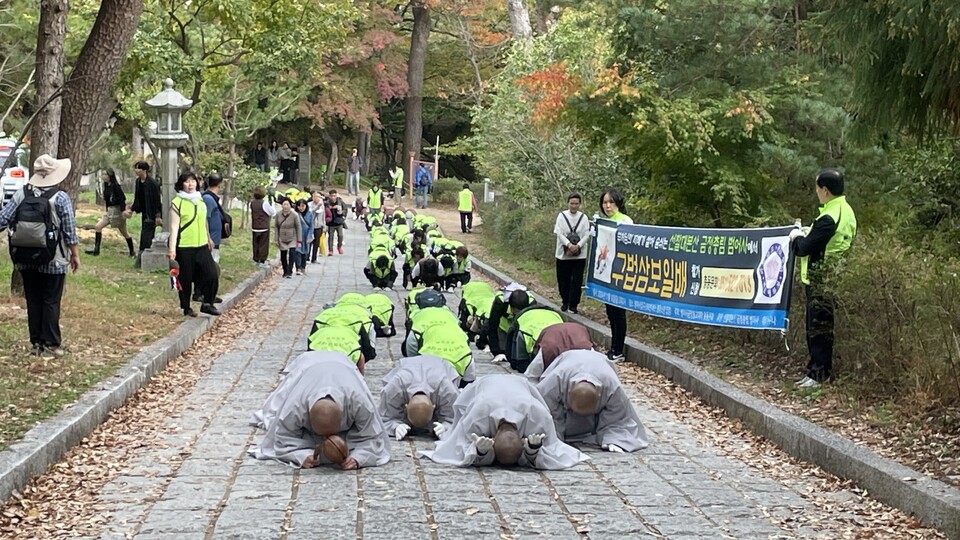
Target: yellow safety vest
[
  {"x": 449, "y": 342},
  {"x": 337, "y": 339},
  {"x": 193, "y": 222},
  {"x": 374, "y": 200},
  {"x": 466, "y": 201}
]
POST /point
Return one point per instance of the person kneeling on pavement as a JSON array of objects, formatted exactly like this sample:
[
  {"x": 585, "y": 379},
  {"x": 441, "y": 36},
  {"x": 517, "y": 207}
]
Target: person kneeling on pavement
[
  {"x": 380, "y": 270},
  {"x": 460, "y": 271},
  {"x": 425, "y": 318},
  {"x": 513, "y": 299},
  {"x": 523, "y": 335},
  {"x": 339, "y": 339},
  {"x": 381, "y": 308},
  {"x": 449, "y": 342},
  {"x": 474, "y": 310},
  {"x": 418, "y": 396},
  {"x": 355, "y": 317}
]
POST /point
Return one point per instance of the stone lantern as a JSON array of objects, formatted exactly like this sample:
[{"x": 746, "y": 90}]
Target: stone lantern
[{"x": 169, "y": 106}]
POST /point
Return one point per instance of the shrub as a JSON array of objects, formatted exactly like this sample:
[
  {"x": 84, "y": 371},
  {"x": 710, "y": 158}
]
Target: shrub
[
  {"x": 523, "y": 232},
  {"x": 445, "y": 190}
]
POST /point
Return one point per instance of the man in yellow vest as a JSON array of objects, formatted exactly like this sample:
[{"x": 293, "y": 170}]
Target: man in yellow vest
[
  {"x": 467, "y": 205},
  {"x": 821, "y": 251},
  {"x": 396, "y": 174},
  {"x": 375, "y": 200}
]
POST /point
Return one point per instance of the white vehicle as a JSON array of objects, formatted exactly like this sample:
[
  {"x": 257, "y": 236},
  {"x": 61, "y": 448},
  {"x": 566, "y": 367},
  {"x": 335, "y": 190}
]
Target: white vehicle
[{"x": 15, "y": 175}]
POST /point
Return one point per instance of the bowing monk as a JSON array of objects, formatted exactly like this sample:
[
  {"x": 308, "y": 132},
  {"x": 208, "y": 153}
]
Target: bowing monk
[
  {"x": 323, "y": 395},
  {"x": 418, "y": 396},
  {"x": 588, "y": 404},
  {"x": 501, "y": 419}
]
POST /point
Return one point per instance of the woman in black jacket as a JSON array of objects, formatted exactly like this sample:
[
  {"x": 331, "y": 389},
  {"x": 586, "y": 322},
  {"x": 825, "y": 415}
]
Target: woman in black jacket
[{"x": 116, "y": 203}]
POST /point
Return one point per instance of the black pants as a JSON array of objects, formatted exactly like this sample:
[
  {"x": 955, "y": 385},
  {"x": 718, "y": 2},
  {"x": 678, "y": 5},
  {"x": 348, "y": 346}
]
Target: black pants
[
  {"x": 316, "y": 245},
  {"x": 819, "y": 335},
  {"x": 147, "y": 232},
  {"x": 261, "y": 246},
  {"x": 197, "y": 269},
  {"x": 466, "y": 221},
  {"x": 618, "y": 328},
  {"x": 43, "y": 293},
  {"x": 386, "y": 281},
  {"x": 570, "y": 281},
  {"x": 286, "y": 260},
  {"x": 452, "y": 280}
]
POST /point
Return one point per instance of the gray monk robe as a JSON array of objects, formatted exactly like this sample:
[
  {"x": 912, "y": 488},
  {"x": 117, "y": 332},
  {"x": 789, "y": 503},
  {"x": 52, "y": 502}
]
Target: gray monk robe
[
  {"x": 271, "y": 407},
  {"x": 480, "y": 409},
  {"x": 430, "y": 375},
  {"x": 290, "y": 438},
  {"x": 615, "y": 420}
]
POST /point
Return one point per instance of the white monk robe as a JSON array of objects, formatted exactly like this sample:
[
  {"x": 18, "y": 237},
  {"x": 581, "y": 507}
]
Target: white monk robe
[
  {"x": 614, "y": 422},
  {"x": 271, "y": 407},
  {"x": 480, "y": 409},
  {"x": 290, "y": 438},
  {"x": 430, "y": 375}
]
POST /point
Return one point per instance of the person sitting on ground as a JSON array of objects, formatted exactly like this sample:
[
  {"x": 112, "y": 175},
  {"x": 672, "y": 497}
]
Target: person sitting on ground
[
  {"x": 523, "y": 334},
  {"x": 381, "y": 308},
  {"x": 474, "y": 310},
  {"x": 459, "y": 274},
  {"x": 513, "y": 299},
  {"x": 116, "y": 203},
  {"x": 353, "y": 316},
  {"x": 418, "y": 396},
  {"x": 325, "y": 398},
  {"x": 341, "y": 339},
  {"x": 588, "y": 403},
  {"x": 502, "y": 419},
  {"x": 380, "y": 270}
]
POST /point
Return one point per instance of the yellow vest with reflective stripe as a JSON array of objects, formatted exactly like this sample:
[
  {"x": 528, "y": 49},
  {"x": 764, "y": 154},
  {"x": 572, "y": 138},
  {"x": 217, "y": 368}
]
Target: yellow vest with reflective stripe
[
  {"x": 337, "y": 339},
  {"x": 377, "y": 271},
  {"x": 846, "y": 220},
  {"x": 449, "y": 342},
  {"x": 374, "y": 200},
  {"x": 532, "y": 322},
  {"x": 380, "y": 306},
  {"x": 466, "y": 201},
  {"x": 194, "y": 213},
  {"x": 349, "y": 315},
  {"x": 427, "y": 318}
]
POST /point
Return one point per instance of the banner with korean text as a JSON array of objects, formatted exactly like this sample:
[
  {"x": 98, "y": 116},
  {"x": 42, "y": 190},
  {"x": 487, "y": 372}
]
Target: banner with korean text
[{"x": 724, "y": 277}]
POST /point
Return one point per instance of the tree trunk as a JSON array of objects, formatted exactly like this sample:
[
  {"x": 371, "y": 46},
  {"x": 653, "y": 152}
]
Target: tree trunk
[
  {"x": 87, "y": 101},
  {"x": 413, "y": 131},
  {"x": 519, "y": 20},
  {"x": 334, "y": 157},
  {"x": 45, "y": 136},
  {"x": 363, "y": 150}
]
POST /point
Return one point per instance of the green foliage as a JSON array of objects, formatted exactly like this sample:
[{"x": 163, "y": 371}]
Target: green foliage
[
  {"x": 445, "y": 190},
  {"x": 525, "y": 234}
]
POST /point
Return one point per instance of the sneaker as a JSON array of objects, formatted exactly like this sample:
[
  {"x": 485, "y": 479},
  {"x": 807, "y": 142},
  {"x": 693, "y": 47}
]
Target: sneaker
[
  {"x": 36, "y": 349},
  {"x": 574, "y": 310},
  {"x": 57, "y": 352},
  {"x": 330, "y": 253},
  {"x": 798, "y": 382},
  {"x": 209, "y": 309},
  {"x": 189, "y": 312},
  {"x": 809, "y": 383},
  {"x": 340, "y": 250},
  {"x": 46, "y": 354},
  {"x": 614, "y": 357},
  {"x": 564, "y": 308},
  {"x": 218, "y": 300}
]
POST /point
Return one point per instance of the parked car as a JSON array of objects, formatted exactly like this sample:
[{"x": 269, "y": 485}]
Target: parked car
[{"x": 16, "y": 173}]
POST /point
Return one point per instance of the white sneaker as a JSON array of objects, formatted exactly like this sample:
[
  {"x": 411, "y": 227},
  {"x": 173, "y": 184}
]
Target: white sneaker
[
  {"x": 803, "y": 380},
  {"x": 809, "y": 383}
]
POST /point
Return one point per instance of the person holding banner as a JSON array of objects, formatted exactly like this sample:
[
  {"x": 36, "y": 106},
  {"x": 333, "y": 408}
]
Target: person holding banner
[
  {"x": 612, "y": 207},
  {"x": 821, "y": 249},
  {"x": 572, "y": 228}
]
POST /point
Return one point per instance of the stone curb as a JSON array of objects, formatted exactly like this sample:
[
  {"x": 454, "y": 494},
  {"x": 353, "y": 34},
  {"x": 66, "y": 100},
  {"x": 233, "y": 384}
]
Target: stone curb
[
  {"x": 935, "y": 503},
  {"x": 48, "y": 441}
]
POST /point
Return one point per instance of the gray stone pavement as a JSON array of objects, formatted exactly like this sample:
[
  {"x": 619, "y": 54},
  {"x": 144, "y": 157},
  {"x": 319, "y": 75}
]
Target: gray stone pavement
[{"x": 202, "y": 485}]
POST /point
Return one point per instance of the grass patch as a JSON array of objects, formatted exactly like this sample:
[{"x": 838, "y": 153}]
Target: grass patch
[{"x": 109, "y": 312}]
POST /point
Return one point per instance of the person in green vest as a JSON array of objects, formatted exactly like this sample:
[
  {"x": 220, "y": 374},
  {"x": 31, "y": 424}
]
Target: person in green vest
[
  {"x": 475, "y": 303},
  {"x": 381, "y": 240},
  {"x": 352, "y": 316},
  {"x": 191, "y": 246},
  {"x": 821, "y": 253},
  {"x": 375, "y": 201},
  {"x": 338, "y": 339},
  {"x": 380, "y": 269},
  {"x": 413, "y": 256},
  {"x": 418, "y": 299},
  {"x": 513, "y": 299},
  {"x": 449, "y": 342},
  {"x": 396, "y": 175},
  {"x": 459, "y": 273},
  {"x": 467, "y": 205},
  {"x": 524, "y": 333},
  {"x": 381, "y": 308},
  {"x": 425, "y": 318}
]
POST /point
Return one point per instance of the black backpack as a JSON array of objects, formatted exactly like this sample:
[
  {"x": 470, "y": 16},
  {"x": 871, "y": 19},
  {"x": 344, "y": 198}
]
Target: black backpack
[
  {"x": 35, "y": 230},
  {"x": 226, "y": 226}
]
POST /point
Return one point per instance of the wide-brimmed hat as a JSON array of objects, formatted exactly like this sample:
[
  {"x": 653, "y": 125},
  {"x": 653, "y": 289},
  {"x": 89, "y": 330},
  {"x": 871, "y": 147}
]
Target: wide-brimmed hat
[{"x": 48, "y": 171}]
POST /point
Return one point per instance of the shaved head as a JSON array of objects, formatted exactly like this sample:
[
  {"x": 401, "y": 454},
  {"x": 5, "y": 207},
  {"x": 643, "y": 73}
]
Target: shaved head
[
  {"x": 584, "y": 398},
  {"x": 420, "y": 411},
  {"x": 325, "y": 416},
  {"x": 507, "y": 444}
]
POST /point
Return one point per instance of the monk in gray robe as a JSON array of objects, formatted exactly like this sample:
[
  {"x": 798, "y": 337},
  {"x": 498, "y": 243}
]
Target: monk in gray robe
[
  {"x": 588, "y": 404},
  {"x": 324, "y": 396},
  {"x": 502, "y": 419},
  {"x": 418, "y": 396}
]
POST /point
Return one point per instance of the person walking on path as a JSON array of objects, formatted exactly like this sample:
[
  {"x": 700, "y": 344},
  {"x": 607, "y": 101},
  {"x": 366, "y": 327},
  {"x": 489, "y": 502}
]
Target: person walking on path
[
  {"x": 116, "y": 203},
  {"x": 191, "y": 246},
  {"x": 354, "y": 163},
  {"x": 338, "y": 217},
  {"x": 306, "y": 236},
  {"x": 467, "y": 205},
  {"x": 424, "y": 181},
  {"x": 260, "y": 213},
  {"x": 44, "y": 270},
  {"x": 572, "y": 229},
  {"x": 289, "y": 236},
  {"x": 613, "y": 207},
  {"x": 148, "y": 203},
  {"x": 321, "y": 215},
  {"x": 821, "y": 251}
]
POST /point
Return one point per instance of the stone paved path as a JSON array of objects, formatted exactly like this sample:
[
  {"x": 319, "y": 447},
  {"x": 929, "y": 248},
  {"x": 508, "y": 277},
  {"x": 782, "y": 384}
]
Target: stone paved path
[{"x": 203, "y": 485}]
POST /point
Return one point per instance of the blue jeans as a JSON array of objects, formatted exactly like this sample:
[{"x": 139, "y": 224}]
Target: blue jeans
[
  {"x": 422, "y": 191},
  {"x": 353, "y": 183}
]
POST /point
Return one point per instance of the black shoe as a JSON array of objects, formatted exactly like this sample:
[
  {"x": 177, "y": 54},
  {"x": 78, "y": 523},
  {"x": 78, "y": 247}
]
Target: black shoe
[
  {"x": 574, "y": 310},
  {"x": 197, "y": 297},
  {"x": 218, "y": 300},
  {"x": 209, "y": 309},
  {"x": 189, "y": 312},
  {"x": 563, "y": 308},
  {"x": 93, "y": 252}
]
